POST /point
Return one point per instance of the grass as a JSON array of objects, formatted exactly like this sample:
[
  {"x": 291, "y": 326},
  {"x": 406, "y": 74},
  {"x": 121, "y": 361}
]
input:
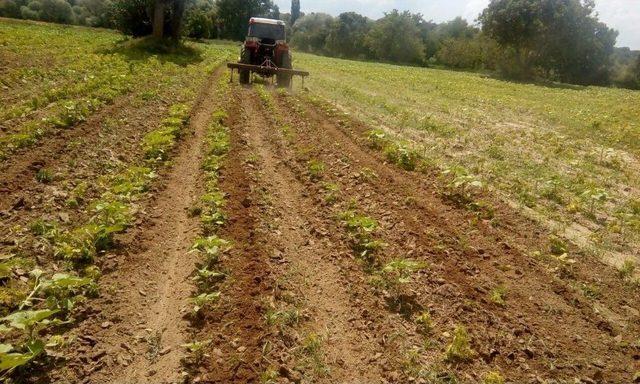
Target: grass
[
  {"x": 570, "y": 154},
  {"x": 627, "y": 269}
]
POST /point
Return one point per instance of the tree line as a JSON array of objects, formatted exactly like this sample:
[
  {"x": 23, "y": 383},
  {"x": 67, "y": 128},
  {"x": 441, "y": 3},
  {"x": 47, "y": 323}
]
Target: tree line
[{"x": 555, "y": 40}]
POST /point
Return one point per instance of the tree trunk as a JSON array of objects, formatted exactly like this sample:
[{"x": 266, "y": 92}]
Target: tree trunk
[
  {"x": 158, "y": 19},
  {"x": 176, "y": 18}
]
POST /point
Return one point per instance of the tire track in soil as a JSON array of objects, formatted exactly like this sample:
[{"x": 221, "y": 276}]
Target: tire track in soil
[
  {"x": 140, "y": 327},
  {"x": 467, "y": 274},
  {"x": 347, "y": 350}
]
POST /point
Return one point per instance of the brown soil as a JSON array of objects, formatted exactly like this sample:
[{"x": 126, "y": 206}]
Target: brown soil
[
  {"x": 298, "y": 304},
  {"x": 139, "y": 326},
  {"x": 547, "y": 329}
]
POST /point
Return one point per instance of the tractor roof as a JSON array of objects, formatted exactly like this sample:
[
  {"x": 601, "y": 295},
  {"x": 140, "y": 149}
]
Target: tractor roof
[{"x": 260, "y": 20}]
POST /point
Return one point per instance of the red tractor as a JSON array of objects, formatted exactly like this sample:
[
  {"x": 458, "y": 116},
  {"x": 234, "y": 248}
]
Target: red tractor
[{"x": 265, "y": 52}]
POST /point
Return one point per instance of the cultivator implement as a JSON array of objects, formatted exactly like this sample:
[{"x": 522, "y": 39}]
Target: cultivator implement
[{"x": 267, "y": 69}]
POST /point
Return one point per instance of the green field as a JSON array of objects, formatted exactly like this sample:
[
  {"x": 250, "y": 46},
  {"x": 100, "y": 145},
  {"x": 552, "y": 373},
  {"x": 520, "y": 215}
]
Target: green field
[
  {"x": 54, "y": 77},
  {"x": 157, "y": 221},
  {"x": 569, "y": 155}
]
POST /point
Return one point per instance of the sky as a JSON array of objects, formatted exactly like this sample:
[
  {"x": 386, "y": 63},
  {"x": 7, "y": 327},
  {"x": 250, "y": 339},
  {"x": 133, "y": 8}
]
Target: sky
[{"x": 623, "y": 15}]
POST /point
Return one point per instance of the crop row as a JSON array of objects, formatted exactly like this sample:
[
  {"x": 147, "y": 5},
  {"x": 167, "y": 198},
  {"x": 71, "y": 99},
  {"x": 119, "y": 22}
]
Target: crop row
[
  {"x": 34, "y": 325},
  {"x": 462, "y": 188},
  {"x": 392, "y": 278},
  {"x": 570, "y": 155},
  {"x": 210, "y": 248},
  {"x": 82, "y": 81}
]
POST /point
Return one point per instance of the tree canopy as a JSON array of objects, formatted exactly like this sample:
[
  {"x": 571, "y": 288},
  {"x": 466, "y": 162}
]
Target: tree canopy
[
  {"x": 396, "y": 38},
  {"x": 233, "y": 15},
  {"x": 563, "y": 38},
  {"x": 347, "y": 36}
]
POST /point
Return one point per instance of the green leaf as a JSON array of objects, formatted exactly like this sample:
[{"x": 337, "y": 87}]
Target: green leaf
[
  {"x": 64, "y": 280},
  {"x": 5, "y": 348},
  {"x": 13, "y": 360},
  {"x": 5, "y": 270},
  {"x": 27, "y": 319},
  {"x": 36, "y": 347}
]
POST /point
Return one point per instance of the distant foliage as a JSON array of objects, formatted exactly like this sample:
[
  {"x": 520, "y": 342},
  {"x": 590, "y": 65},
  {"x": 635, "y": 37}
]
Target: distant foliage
[
  {"x": 233, "y": 15},
  {"x": 556, "y": 39},
  {"x": 92, "y": 13},
  {"x": 459, "y": 53},
  {"x": 396, "y": 38},
  {"x": 347, "y": 36},
  {"x": 310, "y": 32},
  {"x": 200, "y": 20},
  {"x": 626, "y": 68},
  {"x": 132, "y": 17}
]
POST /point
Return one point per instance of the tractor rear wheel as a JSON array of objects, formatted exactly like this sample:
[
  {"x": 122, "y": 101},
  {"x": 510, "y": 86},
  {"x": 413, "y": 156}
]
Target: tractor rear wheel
[
  {"x": 284, "y": 79},
  {"x": 245, "y": 74}
]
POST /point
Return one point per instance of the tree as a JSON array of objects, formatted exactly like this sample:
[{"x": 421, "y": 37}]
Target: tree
[
  {"x": 131, "y": 17},
  {"x": 396, "y": 38},
  {"x": 234, "y": 15},
  {"x": 559, "y": 39},
  {"x": 200, "y": 17},
  {"x": 57, "y": 11},
  {"x": 295, "y": 11},
  {"x": 310, "y": 32},
  {"x": 157, "y": 25},
  {"x": 11, "y": 8},
  {"x": 174, "y": 9},
  {"x": 161, "y": 18},
  {"x": 346, "y": 37},
  {"x": 437, "y": 34}
]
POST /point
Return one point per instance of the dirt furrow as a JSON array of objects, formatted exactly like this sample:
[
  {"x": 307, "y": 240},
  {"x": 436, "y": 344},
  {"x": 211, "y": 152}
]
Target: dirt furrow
[
  {"x": 310, "y": 258},
  {"x": 473, "y": 259},
  {"x": 236, "y": 325},
  {"x": 22, "y": 165},
  {"x": 140, "y": 327}
]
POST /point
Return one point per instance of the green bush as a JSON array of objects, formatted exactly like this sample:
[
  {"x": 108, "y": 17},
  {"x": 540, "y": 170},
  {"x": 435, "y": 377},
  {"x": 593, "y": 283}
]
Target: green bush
[{"x": 199, "y": 24}]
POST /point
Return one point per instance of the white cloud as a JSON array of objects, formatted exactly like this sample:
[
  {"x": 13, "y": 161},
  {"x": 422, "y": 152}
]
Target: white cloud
[{"x": 623, "y": 15}]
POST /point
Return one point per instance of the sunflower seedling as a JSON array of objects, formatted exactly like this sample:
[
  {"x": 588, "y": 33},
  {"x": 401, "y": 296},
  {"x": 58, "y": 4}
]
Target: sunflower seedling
[
  {"x": 497, "y": 295},
  {"x": 197, "y": 351},
  {"x": 493, "y": 377},
  {"x": 424, "y": 322},
  {"x": 203, "y": 300},
  {"x": 315, "y": 169},
  {"x": 44, "y": 176},
  {"x": 460, "y": 348}
]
